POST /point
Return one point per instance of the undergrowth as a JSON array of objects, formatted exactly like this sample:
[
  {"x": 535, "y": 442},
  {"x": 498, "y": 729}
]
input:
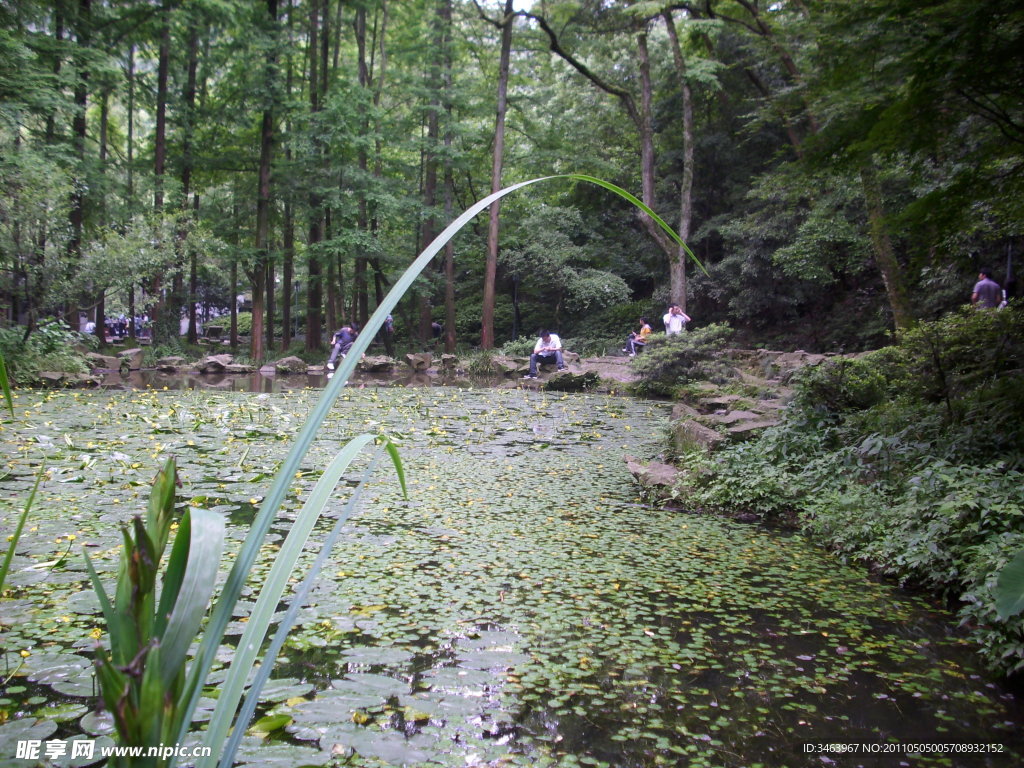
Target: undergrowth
[{"x": 910, "y": 459}]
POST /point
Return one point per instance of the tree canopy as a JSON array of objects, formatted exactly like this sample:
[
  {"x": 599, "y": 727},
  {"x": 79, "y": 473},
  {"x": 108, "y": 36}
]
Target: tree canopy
[{"x": 840, "y": 168}]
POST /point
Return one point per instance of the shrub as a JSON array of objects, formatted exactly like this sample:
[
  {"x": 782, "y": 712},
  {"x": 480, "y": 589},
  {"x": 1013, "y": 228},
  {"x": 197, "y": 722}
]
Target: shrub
[
  {"x": 50, "y": 347},
  {"x": 908, "y": 459},
  {"x": 671, "y": 361}
]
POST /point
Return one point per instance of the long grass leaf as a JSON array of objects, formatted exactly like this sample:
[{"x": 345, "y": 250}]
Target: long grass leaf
[
  {"x": 236, "y": 578},
  {"x": 6, "y": 567},
  {"x": 205, "y": 531},
  {"x": 643, "y": 207},
  {"x": 298, "y": 600},
  {"x": 270, "y": 594},
  {"x": 5, "y": 385}
]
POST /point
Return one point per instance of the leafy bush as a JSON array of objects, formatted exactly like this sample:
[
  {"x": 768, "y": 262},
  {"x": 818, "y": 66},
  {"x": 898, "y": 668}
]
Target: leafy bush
[
  {"x": 244, "y": 323},
  {"x": 909, "y": 459},
  {"x": 671, "y": 361},
  {"x": 50, "y": 347}
]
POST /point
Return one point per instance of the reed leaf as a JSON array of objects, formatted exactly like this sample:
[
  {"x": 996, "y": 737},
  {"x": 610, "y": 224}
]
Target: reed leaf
[
  {"x": 270, "y": 595},
  {"x": 298, "y": 600},
  {"x": 6, "y": 566},
  {"x": 278, "y": 490},
  {"x": 5, "y": 385}
]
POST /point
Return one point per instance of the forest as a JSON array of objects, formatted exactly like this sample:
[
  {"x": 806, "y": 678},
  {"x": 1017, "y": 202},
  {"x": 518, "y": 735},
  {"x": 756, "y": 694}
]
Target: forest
[{"x": 840, "y": 169}]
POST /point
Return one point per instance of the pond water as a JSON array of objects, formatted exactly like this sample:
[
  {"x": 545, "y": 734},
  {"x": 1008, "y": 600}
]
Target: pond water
[
  {"x": 260, "y": 382},
  {"x": 523, "y": 608}
]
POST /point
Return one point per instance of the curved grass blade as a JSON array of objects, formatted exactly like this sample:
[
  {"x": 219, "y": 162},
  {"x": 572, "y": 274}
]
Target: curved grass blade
[
  {"x": 224, "y": 608},
  {"x": 270, "y": 595},
  {"x": 298, "y": 600},
  {"x": 643, "y": 207},
  {"x": 18, "y": 529},
  {"x": 5, "y": 385}
]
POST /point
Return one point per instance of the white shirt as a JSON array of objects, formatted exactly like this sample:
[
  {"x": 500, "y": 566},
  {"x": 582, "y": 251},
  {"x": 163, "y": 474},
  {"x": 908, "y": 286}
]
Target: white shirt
[
  {"x": 553, "y": 342},
  {"x": 675, "y": 323}
]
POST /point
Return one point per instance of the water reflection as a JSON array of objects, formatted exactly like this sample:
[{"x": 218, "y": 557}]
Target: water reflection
[{"x": 262, "y": 382}]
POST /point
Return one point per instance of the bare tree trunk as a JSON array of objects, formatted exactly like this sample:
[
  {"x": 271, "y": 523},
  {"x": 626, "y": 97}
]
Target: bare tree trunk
[
  {"x": 76, "y": 215},
  {"x": 885, "y": 258},
  {"x": 314, "y": 295},
  {"x": 491, "y": 265},
  {"x": 444, "y": 11},
  {"x": 257, "y": 350},
  {"x": 677, "y": 265}
]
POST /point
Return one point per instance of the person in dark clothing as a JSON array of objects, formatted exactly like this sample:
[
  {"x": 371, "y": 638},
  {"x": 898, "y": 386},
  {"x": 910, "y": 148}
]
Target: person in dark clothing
[{"x": 341, "y": 343}]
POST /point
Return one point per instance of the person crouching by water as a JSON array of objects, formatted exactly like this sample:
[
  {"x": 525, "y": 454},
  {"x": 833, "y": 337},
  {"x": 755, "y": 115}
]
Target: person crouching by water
[
  {"x": 547, "y": 349},
  {"x": 341, "y": 343},
  {"x": 638, "y": 339}
]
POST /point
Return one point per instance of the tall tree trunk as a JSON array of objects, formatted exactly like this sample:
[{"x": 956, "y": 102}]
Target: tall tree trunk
[
  {"x": 76, "y": 215},
  {"x": 257, "y": 350},
  {"x": 187, "y": 164},
  {"x": 314, "y": 291},
  {"x": 885, "y": 257},
  {"x": 288, "y": 224},
  {"x": 160, "y": 150},
  {"x": 491, "y": 265},
  {"x": 361, "y": 304},
  {"x": 677, "y": 265},
  {"x": 444, "y": 11}
]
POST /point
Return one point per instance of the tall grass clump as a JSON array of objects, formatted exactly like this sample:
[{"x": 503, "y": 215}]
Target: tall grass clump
[{"x": 145, "y": 679}]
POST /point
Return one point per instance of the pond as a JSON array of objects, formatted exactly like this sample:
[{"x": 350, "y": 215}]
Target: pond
[{"x": 524, "y": 608}]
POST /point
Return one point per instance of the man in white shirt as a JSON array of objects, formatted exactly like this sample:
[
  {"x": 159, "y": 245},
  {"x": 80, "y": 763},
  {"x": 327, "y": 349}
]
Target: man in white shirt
[
  {"x": 675, "y": 320},
  {"x": 547, "y": 349}
]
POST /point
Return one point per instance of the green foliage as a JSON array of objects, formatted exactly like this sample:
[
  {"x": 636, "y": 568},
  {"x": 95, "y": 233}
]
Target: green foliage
[
  {"x": 50, "y": 347},
  {"x": 142, "y": 673},
  {"x": 521, "y": 347},
  {"x": 244, "y": 323},
  {"x": 669, "y": 362},
  {"x": 910, "y": 459}
]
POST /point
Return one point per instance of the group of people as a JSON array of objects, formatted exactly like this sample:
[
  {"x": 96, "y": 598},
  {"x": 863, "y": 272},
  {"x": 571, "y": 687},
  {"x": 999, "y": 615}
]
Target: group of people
[
  {"x": 675, "y": 321},
  {"x": 118, "y": 327}
]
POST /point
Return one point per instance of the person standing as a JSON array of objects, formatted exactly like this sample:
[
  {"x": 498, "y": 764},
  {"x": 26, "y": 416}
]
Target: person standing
[
  {"x": 547, "y": 349},
  {"x": 987, "y": 293},
  {"x": 675, "y": 320}
]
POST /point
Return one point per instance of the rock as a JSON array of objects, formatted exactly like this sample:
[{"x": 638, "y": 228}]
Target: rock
[
  {"x": 133, "y": 356},
  {"x": 731, "y": 417},
  {"x": 509, "y": 366},
  {"x": 290, "y": 364},
  {"x": 450, "y": 363},
  {"x": 169, "y": 364},
  {"x": 567, "y": 381},
  {"x": 239, "y": 368},
  {"x": 653, "y": 475},
  {"x": 689, "y": 435},
  {"x": 102, "y": 362},
  {"x": 747, "y": 429},
  {"x": 215, "y": 363},
  {"x": 58, "y": 379},
  {"x": 377, "y": 364},
  {"x": 419, "y": 361}
]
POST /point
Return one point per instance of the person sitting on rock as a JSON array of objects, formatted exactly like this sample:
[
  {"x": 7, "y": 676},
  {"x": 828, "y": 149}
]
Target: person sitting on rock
[
  {"x": 638, "y": 339},
  {"x": 341, "y": 343},
  {"x": 547, "y": 349}
]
